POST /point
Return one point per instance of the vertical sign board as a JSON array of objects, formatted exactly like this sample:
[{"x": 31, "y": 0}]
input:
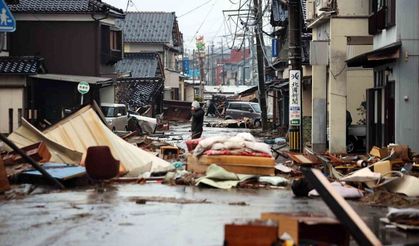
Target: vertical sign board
[
  {"x": 7, "y": 21},
  {"x": 295, "y": 103},
  {"x": 274, "y": 47}
]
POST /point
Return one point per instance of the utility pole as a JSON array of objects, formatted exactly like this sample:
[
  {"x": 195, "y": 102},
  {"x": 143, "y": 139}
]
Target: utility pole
[
  {"x": 260, "y": 62},
  {"x": 193, "y": 73},
  {"x": 295, "y": 78},
  {"x": 212, "y": 64},
  {"x": 222, "y": 60},
  {"x": 244, "y": 57},
  {"x": 208, "y": 67},
  {"x": 201, "y": 73}
]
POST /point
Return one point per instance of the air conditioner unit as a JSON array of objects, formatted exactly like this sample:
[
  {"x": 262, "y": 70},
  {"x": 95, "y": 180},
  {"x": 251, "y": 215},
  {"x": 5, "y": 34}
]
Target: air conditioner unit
[
  {"x": 323, "y": 5},
  {"x": 310, "y": 10}
]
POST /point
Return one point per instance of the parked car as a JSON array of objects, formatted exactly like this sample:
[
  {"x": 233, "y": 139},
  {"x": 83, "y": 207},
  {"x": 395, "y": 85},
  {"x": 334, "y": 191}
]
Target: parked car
[
  {"x": 116, "y": 116},
  {"x": 240, "y": 110}
]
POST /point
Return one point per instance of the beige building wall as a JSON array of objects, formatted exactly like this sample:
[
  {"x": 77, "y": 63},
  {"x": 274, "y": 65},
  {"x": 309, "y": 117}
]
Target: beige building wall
[
  {"x": 357, "y": 83},
  {"x": 189, "y": 93},
  {"x": 340, "y": 29}
]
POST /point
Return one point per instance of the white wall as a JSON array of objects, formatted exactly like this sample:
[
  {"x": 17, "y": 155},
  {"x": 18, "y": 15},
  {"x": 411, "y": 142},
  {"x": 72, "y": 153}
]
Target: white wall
[{"x": 107, "y": 94}]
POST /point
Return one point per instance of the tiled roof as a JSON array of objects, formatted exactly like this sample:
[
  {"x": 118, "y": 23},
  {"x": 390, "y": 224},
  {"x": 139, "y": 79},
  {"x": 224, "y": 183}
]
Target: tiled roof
[
  {"x": 138, "y": 93},
  {"x": 64, "y": 6},
  {"x": 20, "y": 65},
  {"x": 140, "y": 65},
  {"x": 147, "y": 27}
]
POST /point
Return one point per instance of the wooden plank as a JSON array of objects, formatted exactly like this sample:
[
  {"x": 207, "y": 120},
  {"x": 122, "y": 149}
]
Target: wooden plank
[
  {"x": 4, "y": 182},
  {"x": 232, "y": 164}
]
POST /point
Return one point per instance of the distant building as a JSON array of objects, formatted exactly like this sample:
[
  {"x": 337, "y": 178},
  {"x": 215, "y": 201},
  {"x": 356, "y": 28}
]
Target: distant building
[{"x": 155, "y": 32}]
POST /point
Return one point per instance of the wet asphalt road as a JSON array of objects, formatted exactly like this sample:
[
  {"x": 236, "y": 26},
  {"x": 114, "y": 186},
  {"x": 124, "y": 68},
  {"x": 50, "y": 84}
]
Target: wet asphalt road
[{"x": 86, "y": 217}]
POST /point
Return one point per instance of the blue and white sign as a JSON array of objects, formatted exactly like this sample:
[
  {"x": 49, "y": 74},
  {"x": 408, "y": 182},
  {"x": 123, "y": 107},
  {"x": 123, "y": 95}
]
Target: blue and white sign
[
  {"x": 7, "y": 21},
  {"x": 274, "y": 47}
]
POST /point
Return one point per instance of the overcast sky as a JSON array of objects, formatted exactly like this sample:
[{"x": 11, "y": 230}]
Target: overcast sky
[{"x": 207, "y": 20}]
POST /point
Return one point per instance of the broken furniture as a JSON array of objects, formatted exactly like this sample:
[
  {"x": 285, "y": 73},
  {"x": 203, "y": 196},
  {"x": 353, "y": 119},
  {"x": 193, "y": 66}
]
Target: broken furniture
[
  {"x": 100, "y": 164},
  {"x": 31, "y": 161},
  {"x": 233, "y": 163},
  {"x": 342, "y": 210},
  {"x": 251, "y": 233},
  {"x": 169, "y": 152},
  {"x": 309, "y": 229},
  {"x": 38, "y": 152}
]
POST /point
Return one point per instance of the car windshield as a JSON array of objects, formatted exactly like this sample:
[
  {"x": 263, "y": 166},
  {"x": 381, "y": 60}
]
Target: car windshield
[
  {"x": 113, "y": 111},
  {"x": 256, "y": 107}
]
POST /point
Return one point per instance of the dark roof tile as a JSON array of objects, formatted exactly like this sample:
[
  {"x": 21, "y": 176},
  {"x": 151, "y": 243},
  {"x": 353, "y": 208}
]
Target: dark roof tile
[
  {"x": 141, "y": 65},
  {"x": 23, "y": 65},
  {"x": 147, "y": 27},
  {"x": 64, "y": 6}
]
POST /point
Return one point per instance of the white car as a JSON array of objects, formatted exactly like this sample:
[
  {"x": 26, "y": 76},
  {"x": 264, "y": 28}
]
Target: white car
[{"x": 116, "y": 116}]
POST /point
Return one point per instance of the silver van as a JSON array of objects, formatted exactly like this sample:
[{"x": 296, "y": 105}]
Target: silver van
[
  {"x": 240, "y": 110},
  {"x": 116, "y": 116}
]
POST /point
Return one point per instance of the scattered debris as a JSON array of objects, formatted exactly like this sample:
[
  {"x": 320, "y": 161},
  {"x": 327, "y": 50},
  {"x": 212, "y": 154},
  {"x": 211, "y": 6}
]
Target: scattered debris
[
  {"x": 238, "y": 204},
  {"x": 145, "y": 200},
  {"x": 218, "y": 177}
]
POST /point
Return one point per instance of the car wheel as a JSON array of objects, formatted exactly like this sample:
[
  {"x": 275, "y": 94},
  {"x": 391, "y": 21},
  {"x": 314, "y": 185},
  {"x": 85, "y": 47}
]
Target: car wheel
[{"x": 258, "y": 123}]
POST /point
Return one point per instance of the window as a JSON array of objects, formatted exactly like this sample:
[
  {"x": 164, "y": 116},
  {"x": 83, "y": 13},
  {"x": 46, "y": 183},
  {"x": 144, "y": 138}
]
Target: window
[
  {"x": 246, "y": 107},
  {"x": 111, "y": 45},
  {"x": 115, "y": 42},
  {"x": 383, "y": 13},
  {"x": 235, "y": 106},
  {"x": 256, "y": 107}
]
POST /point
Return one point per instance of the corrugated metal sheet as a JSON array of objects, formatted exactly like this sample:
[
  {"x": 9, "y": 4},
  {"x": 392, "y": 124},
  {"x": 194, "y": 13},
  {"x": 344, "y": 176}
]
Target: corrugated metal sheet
[
  {"x": 28, "y": 135},
  {"x": 84, "y": 129}
]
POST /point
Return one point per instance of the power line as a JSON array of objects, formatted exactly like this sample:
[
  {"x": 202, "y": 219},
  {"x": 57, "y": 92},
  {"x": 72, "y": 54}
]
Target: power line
[
  {"x": 202, "y": 23},
  {"x": 197, "y": 7}
]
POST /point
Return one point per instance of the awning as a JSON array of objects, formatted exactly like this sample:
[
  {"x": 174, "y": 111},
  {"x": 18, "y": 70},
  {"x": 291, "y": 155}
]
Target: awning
[
  {"x": 384, "y": 55},
  {"x": 75, "y": 78}
]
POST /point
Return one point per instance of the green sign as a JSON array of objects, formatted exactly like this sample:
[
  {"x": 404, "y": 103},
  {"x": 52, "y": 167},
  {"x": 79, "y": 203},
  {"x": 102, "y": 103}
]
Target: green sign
[{"x": 83, "y": 87}]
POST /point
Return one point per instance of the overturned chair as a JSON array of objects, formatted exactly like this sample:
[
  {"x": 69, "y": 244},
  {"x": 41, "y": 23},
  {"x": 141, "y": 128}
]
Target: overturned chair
[{"x": 101, "y": 165}]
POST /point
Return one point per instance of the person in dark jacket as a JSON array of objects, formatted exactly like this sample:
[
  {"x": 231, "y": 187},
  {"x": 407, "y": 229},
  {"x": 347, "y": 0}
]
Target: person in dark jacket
[{"x": 197, "y": 120}]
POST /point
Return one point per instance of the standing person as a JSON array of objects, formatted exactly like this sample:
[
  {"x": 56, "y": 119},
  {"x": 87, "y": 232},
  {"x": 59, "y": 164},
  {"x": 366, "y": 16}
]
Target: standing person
[{"x": 197, "y": 120}]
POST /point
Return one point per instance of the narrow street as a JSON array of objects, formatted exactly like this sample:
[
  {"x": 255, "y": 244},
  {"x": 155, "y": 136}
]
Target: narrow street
[
  {"x": 209, "y": 122},
  {"x": 86, "y": 217}
]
